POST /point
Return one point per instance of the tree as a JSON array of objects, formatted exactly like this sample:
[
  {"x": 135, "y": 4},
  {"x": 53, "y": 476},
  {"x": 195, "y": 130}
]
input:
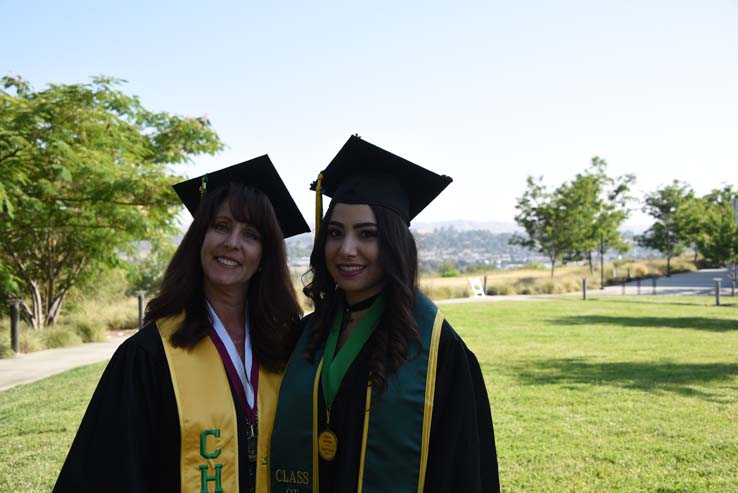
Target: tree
[
  {"x": 146, "y": 272},
  {"x": 545, "y": 220},
  {"x": 669, "y": 234},
  {"x": 715, "y": 231},
  {"x": 599, "y": 204},
  {"x": 581, "y": 200},
  {"x": 83, "y": 174},
  {"x": 580, "y": 216},
  {"x": 614, "y": 209}
]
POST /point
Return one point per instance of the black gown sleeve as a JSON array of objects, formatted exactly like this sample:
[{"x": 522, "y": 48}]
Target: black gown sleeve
[
  {"x": 129, "y": 437},
  {"x": 462, "y": 454}
]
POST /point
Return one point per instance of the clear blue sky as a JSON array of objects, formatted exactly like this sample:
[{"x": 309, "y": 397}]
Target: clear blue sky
[{"x": 486, "y": 92}]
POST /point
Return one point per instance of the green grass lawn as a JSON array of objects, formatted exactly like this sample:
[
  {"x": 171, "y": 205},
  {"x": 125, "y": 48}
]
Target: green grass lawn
[
  {"x": 636, "y": 394},
  {"x": 617, "y": 394},
  {"x": 37, "y": 424}
]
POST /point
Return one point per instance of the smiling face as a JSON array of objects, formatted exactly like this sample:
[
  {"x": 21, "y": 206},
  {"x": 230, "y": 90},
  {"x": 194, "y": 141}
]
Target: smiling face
[
  {"x": 352, "y": 251},
  {"x": 230, "y": 254}
]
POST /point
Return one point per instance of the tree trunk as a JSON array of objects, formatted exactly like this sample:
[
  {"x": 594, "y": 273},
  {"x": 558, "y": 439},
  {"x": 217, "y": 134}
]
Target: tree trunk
[
  {"x": 33, "y": 315},
  {"x": 54, "y": 310},
  {"x": 25, "y": 313},
  {"x": 591, "y": 264},
  {"x": 36, "y": 318},
  {"x": 553, "y": 262},
  {"x": 602, "y": 263}
]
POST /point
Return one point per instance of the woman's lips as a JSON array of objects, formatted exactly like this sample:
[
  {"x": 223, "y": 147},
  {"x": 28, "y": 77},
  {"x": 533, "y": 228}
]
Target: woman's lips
[
  {"x": 228, "y": 262},
  {"x": 350, "y": 270}
]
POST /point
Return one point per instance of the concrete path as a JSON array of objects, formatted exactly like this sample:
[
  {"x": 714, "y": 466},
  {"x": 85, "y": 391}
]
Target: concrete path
[
  {"x": 27, "y": 368},
  {"x": 700, "y": 283}
]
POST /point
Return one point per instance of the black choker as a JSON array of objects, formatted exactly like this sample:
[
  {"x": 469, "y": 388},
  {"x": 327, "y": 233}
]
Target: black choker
[{"x": 362, "y": 305}]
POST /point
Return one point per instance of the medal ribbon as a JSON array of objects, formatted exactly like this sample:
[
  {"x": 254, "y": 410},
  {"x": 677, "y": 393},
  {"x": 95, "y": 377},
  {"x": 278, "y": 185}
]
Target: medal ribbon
[
  {"x": 335, "y": 365},
  {"x": 244, "y": 379}
]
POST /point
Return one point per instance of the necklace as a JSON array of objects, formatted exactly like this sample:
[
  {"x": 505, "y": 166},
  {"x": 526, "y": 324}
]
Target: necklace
[{"x": 362, "y": 305}]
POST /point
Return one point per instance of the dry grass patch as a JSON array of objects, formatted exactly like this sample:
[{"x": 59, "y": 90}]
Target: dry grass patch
[{"x": 566, "y": 278}]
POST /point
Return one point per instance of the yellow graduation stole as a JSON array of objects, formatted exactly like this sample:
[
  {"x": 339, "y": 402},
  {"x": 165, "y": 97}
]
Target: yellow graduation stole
[{"x": 207, "y": 415}]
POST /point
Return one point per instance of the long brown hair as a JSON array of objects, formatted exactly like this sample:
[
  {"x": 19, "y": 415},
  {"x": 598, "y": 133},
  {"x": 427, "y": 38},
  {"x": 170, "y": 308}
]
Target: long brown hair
[
  {"x": 397, "y": 332},
  {"x": 274, "y": 312}
]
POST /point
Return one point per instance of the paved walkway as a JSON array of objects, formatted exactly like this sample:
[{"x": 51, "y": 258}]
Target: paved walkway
[
  {"x": 27, "y": 368},
  {"x": 700, "y": 283}
]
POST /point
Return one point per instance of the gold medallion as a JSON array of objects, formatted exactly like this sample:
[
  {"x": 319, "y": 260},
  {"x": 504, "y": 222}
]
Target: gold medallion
[{"x": 327, "y": 445}]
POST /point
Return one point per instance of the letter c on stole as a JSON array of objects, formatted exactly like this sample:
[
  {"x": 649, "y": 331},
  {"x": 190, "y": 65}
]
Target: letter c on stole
[{"x": 203, "y": 444}]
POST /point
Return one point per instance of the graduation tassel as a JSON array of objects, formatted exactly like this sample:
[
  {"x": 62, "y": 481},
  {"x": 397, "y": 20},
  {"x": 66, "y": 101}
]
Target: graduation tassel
[
  {"x": 318, "y": 204},
  {"x": 203, "y": 187}
]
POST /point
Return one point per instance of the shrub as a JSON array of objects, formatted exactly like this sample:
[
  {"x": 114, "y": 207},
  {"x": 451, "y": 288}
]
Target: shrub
[
  {"x": 30, "y": 341},
  {"x": 56, "y": 337},
  {"x": 92, "y": 317},
  {"x": 448, "y": 268},
  {"x": 5, "y": 350},
  {"x": 445, "y": 292},
  {"x": 550, "y": 287},
  {"x": 534, "y": 266},
  {"x": 90, "y": 332},
  {"x": 107, "y": 287},
  {"x": 121, "y": 316},
  {"x": 505, "y": 290},
  {"x": 640, "y": 271}
]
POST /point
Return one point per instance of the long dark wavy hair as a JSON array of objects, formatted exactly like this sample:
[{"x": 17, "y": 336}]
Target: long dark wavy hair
[
  {"x": 397, "y": 332},
  {"x": 273, "y": 310}
]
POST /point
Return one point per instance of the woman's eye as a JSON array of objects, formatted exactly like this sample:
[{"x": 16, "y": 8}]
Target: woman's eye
[
  {"x": 251, "y": 235},
  {"x": 221, "y": 227},
  {"x": 368, "y": 233},
  {"x": 334, "y": 233}
]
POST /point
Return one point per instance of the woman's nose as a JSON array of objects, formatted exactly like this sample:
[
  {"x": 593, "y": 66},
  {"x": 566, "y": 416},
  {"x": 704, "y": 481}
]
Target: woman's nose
[
  {"x": 231, "y": 239},
  {"x": 348, "y": 246}
]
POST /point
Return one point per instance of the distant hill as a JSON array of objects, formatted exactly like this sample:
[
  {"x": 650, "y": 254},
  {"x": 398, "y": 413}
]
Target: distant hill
[
  {"x": 495, "y": 226},
  {"x": 463, "y": 225},
  {"x": 466, "y": 246}
]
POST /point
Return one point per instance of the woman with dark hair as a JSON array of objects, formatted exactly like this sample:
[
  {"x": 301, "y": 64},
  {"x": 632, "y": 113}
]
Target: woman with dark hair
[
  {"x": 381, "y": 394},
  {"x": 187, "y": 403}
]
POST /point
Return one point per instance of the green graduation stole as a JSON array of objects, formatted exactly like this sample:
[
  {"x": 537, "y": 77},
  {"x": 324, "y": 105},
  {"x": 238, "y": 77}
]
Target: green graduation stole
[{"x": 394, "y": 449}]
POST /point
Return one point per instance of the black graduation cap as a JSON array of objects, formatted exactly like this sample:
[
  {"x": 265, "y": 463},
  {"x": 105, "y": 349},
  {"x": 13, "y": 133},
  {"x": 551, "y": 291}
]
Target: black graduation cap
[
  {"x": 362, "y": 173},
  {"x": 258, "y": 173}
]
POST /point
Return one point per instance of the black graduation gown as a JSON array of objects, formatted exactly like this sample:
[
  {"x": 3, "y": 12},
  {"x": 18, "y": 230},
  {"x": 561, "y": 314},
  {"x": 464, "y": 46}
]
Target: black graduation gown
[
  {"x": 129, "y": 438},
  {"x": 461, "y": 455}
]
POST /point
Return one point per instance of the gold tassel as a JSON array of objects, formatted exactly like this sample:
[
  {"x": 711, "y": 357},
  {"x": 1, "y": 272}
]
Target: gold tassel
[
  {"x": 318, "y": 204},
  {"x": 203, "y": 187}
]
